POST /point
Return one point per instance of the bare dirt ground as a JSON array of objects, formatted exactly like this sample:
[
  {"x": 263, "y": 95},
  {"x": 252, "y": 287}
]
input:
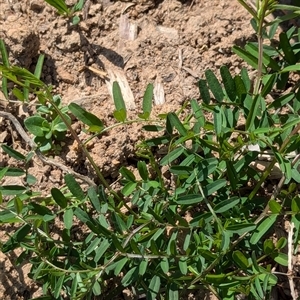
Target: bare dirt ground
[{"x": 174, "y": 43}]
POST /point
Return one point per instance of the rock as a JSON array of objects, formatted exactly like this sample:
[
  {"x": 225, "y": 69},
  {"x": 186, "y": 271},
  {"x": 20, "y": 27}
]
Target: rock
[
  {"x": 65, "y": 75},
  {"x": 37, "y": 6}
]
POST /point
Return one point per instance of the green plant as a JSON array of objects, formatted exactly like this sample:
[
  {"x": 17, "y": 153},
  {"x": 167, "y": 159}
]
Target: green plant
[
  {"x": 47, "y": 126},
  {"x": 209, "y": 226},
  {"x": 62, "y": 9}
]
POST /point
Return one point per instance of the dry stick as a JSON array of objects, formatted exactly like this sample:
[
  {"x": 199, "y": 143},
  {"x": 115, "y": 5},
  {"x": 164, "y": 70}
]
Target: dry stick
[
  {"x": 45, "y": 160},
  {"x": 290, "y": 263}
]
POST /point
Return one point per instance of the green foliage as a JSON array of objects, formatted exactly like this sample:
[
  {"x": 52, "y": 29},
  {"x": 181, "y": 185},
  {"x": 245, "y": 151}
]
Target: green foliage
[
  {"x": 63, "y": 9},
  {"x": 47, "y": 126},
  {"x": 199, "y": 226}
]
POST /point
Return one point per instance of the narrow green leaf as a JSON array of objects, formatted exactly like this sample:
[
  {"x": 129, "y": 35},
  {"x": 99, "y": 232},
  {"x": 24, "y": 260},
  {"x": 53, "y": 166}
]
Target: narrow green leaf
[
  {"x": 259, "y": 288},
  {"x": 20, "y": 76},
  {"x": 214, "y": 85},
  {"x": 292, "y": 68},
  {"x": 241, "y": 228},
  {"x": 155, "y": 128},
  {"x": 205, "y": 168},
  {"x": 102, "y": 248},
  {"x": 247, "y": 57},
  {"x": 59, "y": 198},
  {"x": 226, "y": 239},
  {"x": 79, "y": 5},
  {"x": 147, "y": 101},
  {"x": 130, "y": 276},
  {"x": 118, "y": 97},
  {"x": 214, "y": 186},
  {"x": 68, "y": 218},
  {"x": 232, "y": 174},
  {"x": 39, "y": 66},
  {"x": 12, "y": 190},
  {"x": 74, "y": 187},
  {"x": 189, "y": 199},
  {"x": 218, "y": 120},
  {"x": 204, "y": 91},
  {"x": 4, "y": 170},
  {"x": 94, "y": 225},
  {"x": 262, "y": 228},
  {"x": 164, "y": 264},
  {"x": 4, "y": 54},
  {"x": 175, "y": 122},
  {"x": 60, "y": 5},
  {"x": 120, "y": 225},
  {"x": 269, "y": 84},
  {"x": 187, "y": 241},
  {"x": 5, "y": 62},
  {"x": 253, "y": 113},
  {"x": 183, "y": 265},
  {"x": 58, "y": 285},
  {"x": 287, "y": 49},
  {"x": 12, "y": 153},
  {"x": 240, "y": 259},
  {"x": 181, "y": 170},
  {"x": 173, "y": 293},
  {"x": 171, "y": 248},
  {"x": 170, "y": 157},
  {"x": 226, "y": 205},
  {"x": 284, "y": 163},
  {"x": 282, "y": 100},
  {"x": 246, "y": 79},
  {"x": 198, "y": 113},
  {"x": 229, "y": 83},
  {"x": 268, "y": 61},
  {"x": 92, "y": 246},
  {"x": 92, "y": 194},
  {"x": 215, "y": 278},
  {"x": 118, "y": 266},
  {"x": 241, "y": 90},
  {"x": 18, "y": 205},
  {"x": 143, "y": 267},
  {"x": 255, "y": 266},
  {"x": 85, "y": 116},
  {"x": 20, "y": 95},
  {"x": 153, "y": 287},
  {"x": 142, "y": 168}
]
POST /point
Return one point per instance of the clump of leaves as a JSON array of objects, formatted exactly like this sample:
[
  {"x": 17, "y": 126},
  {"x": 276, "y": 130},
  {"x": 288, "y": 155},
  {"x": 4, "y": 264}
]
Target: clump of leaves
[
  {"x": 62, "y": 9},
  {"x": 209, "y": 227},
  {"x": 48, "y": 127}
]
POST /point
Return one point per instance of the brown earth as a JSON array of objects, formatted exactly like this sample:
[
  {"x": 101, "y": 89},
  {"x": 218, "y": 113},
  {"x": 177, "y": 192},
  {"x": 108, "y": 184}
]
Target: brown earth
[{"x": 173, "y": 43}]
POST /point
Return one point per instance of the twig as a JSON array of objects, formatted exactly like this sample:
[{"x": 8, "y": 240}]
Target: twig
[
  {"x": 33, "y": 146},
  {"x": 290, "y": 260}
]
